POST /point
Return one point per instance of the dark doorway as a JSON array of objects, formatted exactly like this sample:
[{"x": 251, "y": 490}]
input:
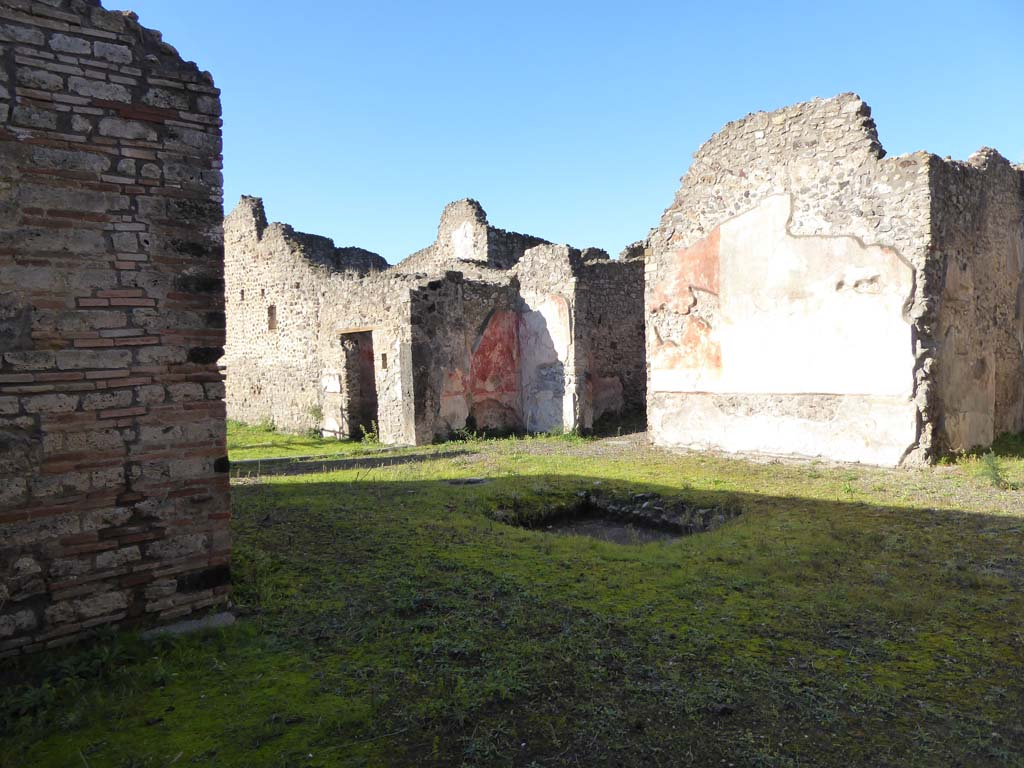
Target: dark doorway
[{"x": 358, "y": 384}]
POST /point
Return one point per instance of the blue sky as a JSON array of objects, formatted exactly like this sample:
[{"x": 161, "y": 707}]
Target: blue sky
[{"x": 568, "y": 120}]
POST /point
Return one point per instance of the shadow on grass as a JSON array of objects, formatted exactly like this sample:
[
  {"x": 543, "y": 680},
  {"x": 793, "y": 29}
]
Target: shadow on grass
[
  {"x": 394, "y": 622},
  {"x": 303, "y": 466},
  {"x": 1009, "y": 446},
  {"x": 807, "y": 631}
]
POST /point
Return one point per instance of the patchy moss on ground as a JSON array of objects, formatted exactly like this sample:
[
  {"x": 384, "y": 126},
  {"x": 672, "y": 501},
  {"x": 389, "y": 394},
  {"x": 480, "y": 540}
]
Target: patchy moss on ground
[{"x": 850, "y": 617}]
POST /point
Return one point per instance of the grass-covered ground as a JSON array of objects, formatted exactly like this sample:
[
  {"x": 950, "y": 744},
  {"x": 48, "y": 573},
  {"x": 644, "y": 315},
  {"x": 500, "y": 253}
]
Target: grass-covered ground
[
  {"x": 850, "y": 617},
  {"x": 261, "y": 442}
]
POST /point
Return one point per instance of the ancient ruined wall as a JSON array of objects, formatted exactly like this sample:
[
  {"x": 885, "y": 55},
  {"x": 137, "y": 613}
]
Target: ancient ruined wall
[
  {"x": 522, "y": 352},
  {"x": 113, "y": 475},
  {"x": 491, "y": 321},
  {"x": 465, "y": 353},
  {"x": 290, "y": 374},
  {"x": 978, "y": 226},
  {"x": 271, "y": 375},
  {"x": 467, "y": 243},
  {"x": 380, "y": 303},
  {"x": 552, "y": 376},
  {"x": 783, "y": 313},
  {"x": 505, "y": 249},
  {"x": 487, "y": 348},
  {"x": 611, "y": 317}
]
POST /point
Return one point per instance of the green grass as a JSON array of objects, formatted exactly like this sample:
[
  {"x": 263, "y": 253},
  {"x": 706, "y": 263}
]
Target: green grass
[
  {"x": 1002, "y": 465},
  {"x": 261, "y": 442},
  {"x": 850, "y": 617}
]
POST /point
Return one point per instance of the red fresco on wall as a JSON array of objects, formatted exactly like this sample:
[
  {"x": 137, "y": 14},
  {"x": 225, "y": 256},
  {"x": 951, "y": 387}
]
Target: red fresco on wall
[
  {"x": 696, "y": 349},
  {"x": 696, "y": 267},
  {"x": 693, "y": 267},
  {"x": 494, "y": 369}
]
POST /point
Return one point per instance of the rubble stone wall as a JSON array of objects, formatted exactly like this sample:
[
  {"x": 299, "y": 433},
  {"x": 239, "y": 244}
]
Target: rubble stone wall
[
  {"x": 783, "y": 312},
  {"x": 467, "y": 243},
  {"x": 612, "y": 320},
  {"x": 978, "y": 226},
  {"x": 550, "y": 357},
  {"x": 272, "y": 378},
  {"x": 802, "y": 297},
  {"x": 288, "y": 375},
  {"x": 114, "y": 499},
  {"x": 457, "y": 340},
  {"x": 465, "y": 342}
]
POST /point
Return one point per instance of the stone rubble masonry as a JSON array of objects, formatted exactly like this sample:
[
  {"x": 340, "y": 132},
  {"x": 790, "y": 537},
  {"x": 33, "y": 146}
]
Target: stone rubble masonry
[
  {"x": 807, "y": 295},
  {"x": 113, "y": 476},
  {"x": 467, "y": 243},
  {"x": 482, "y": 329}
]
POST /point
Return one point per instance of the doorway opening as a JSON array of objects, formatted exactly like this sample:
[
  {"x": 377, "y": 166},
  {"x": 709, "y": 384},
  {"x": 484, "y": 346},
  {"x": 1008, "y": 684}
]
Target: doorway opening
[{"x": 358, "y": 385}]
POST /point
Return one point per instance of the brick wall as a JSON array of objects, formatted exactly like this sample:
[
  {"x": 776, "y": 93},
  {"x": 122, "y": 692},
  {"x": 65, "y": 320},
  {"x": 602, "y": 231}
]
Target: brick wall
[{"x": 113, "y": 478}]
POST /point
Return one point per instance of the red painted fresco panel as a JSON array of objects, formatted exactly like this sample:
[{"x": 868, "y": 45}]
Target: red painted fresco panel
[
  {"x": 495, "y": 365},
  {"x": 696, "y": 267},
  {"x": 693, "y": 267}
]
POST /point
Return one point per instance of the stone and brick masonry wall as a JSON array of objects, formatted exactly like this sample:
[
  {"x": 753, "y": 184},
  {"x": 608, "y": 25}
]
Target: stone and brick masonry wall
[
  {"x": 611, "y": 304},
  {"x": 290, "y": 374},
  {"x": 114, "y": 499},
  {"x": 497, "y": 349},
  {"x": 299, "y": 374},
  {"x": 467, "y": 243},
  {"x": 978, "y": 257},
  {"x": 801, "y": 297}
]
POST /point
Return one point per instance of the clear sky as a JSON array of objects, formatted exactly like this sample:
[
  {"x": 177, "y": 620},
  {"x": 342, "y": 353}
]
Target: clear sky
[{"x": 568, "y": 120}]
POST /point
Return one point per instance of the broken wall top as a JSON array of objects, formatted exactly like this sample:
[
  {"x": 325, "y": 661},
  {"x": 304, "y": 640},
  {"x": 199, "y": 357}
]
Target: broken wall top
[
  {"x": 249, "y": 220},
  {"x": 827, "y": 153},
  {"x": 467, "y": 242},
  {"x": 66, "y": 16},
  {"x": 818, "y": 148},
  {"x": 820, "y": 170}
]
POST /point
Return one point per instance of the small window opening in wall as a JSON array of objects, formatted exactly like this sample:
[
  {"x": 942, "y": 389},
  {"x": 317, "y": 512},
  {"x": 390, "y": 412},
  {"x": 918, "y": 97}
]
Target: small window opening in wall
[
  {"x": 271, "y": 318},
  {"x": 296, "y": 286},
  {"x": 263, "y": 292},
  {"x": 383, "y": 361},
  {"x": 241, "y": 295}
]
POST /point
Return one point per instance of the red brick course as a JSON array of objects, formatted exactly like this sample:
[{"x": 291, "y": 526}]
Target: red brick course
[{"x": 112, "y": 470}]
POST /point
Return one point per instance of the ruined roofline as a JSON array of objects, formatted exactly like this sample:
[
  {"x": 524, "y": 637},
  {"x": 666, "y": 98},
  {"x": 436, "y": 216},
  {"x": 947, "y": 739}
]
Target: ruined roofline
[
  {"x": 982, "y": 159},
  {"x": 637, "y": 251},
  {"x": 579, "y": 260},
  {"x": 502, "y": 246},
  {"x": 798, "y": 136},
  {"x": 250, "y": 214},
  {"x": 848, "y": 104},
  {"x": 845, "y": 104},
  {"x": 164, "y": 55},
  {"x": 471, "y": 209}
]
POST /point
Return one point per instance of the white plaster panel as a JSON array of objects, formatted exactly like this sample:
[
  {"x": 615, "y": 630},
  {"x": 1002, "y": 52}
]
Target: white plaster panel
[
  {"x": 545, "y": 340},
  {"x": 803, "y": 314},
  {"x": 870, "y": 430}
]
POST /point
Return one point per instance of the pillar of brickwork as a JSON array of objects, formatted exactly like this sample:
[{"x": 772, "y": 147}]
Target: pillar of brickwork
[{"x": 113, "y": 478}]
